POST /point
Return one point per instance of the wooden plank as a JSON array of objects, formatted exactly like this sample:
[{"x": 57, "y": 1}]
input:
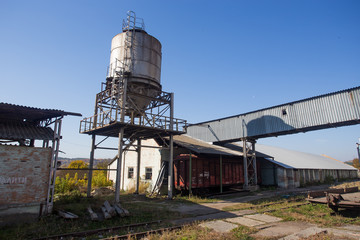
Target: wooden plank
[
  {"x": 316, "y": 194},
  {"x": 335, "y": 190},
  {"x": 351, "y": 190}
]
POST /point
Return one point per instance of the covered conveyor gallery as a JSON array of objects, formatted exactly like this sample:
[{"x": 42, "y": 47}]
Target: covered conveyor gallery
[{"x": 326, "y": 111}]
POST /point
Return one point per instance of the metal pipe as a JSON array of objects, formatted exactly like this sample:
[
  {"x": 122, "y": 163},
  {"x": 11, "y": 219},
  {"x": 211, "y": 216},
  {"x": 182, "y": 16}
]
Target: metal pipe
[{"x": 91, "y": 164}]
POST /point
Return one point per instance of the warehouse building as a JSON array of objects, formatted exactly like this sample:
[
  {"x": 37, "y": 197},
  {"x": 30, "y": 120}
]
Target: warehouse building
[{"x": 209, "y": 163}]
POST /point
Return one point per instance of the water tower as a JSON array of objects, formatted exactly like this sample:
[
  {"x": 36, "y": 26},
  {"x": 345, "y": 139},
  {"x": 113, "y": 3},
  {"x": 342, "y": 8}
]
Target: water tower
[{"x": 131, "y": 105}]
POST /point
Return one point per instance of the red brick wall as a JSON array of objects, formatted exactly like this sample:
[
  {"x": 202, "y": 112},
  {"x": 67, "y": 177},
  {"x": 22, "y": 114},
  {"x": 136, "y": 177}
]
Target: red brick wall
[{"x": 24, "y": 174}]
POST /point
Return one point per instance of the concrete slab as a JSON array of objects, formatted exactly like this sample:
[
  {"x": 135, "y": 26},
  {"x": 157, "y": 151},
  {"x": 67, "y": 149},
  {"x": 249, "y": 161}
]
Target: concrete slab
[
  {"x": 243, "y": 212},
  {"x": 350, "y": 227},
  {"x": 263, "y": 218},
  {"x": 219, "y": 226},
  {"x": 281, "y": 229},
  {"x": 217, "y": 215},
  {"x": 245, "y": 221},
  {"x": 353, "y": 234},
  {"x": 304, "y": 233}
]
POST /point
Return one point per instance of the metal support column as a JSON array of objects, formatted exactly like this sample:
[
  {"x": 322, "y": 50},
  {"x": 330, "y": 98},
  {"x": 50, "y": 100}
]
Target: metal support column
[
  {"x": 250, "y": 171},
  {"x": 253, "y": 158},
  {"x": 171, "y": 167},
  {"x": 190, "y": 171},
  {"x": 221, "y": 175},
  {"x": 138, "y": 166},
  {"x": 171, "y": 157},
  {"x": 118, "y": 169},
  {"x": 246, "y": 180},
  {"x": 91, "y": 165}
]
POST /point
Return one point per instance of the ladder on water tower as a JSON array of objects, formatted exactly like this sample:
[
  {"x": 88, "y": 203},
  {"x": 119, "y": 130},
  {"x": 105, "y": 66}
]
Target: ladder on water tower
[{"x": 125, "y": 67}]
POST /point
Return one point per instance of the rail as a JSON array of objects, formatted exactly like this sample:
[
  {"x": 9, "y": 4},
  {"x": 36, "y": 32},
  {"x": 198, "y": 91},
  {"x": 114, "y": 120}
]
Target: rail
[{"x": 113, "y": 116}]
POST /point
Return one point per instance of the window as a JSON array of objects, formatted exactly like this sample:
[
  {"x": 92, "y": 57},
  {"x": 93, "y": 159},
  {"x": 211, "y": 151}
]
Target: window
[
  {"x": 130, "y": 172},
  {"x": 148, "y": 173}
]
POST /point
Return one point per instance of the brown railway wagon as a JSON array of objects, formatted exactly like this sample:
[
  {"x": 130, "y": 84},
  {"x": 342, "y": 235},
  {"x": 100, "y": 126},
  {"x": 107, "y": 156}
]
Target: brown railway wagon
[{"x": 205, "y": 171}]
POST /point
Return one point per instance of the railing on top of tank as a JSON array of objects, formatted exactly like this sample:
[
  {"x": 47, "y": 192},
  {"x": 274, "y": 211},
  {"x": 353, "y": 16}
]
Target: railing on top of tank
[{"x": 112, "y": 116}]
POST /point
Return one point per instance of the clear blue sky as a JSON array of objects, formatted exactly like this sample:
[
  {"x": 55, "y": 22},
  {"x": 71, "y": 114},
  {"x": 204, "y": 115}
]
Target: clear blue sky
[{"x": 220, "y": 58}]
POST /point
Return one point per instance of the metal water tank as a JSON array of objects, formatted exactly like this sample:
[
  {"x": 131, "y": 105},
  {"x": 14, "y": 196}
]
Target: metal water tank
[{"x": 145, "y": 57}]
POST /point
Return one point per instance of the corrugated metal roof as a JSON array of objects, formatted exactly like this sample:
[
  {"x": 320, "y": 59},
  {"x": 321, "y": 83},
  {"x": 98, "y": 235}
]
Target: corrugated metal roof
[
  {"x": 201, "y": 147},
  {"x": 300, "y": 160},
  {"x": 19, "y": 113},
  {"x": 17, "y": 131},
  {"x": 239, "y": 148},
  {"x": 330, "y": 110}
]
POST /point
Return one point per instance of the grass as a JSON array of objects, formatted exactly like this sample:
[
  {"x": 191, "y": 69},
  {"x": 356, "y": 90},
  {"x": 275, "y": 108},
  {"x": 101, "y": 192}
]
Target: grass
[
  {"x": 318, "y": 214},
  {"x": 142, "y": 209},
  {"x": 193, "y": 232},
  {"x": 348, "y": 184},
  {"x": 266, "y": 204},
  {"x": 195, "y": 199}
]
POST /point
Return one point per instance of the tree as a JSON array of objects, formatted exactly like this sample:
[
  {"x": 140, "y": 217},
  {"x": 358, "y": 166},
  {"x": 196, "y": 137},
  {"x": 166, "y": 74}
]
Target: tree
[
  {"x": 78, "y": 164},
  {"x": 356, "y": 163}
]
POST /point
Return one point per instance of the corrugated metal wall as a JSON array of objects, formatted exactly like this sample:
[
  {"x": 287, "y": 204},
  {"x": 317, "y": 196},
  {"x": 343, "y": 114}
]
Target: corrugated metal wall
[{"x": 326, "y": 111}]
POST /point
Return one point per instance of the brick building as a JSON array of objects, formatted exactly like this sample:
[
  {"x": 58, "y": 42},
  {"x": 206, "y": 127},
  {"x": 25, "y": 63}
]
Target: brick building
[{"x": 29, "y": 141}]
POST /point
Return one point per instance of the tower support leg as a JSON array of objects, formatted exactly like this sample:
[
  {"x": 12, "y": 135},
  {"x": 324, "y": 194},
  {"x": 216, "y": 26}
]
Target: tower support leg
[
  {"x": 138, "y": 166},
  {"x": 118, "y": 169},
  {"x": 171, "y": 166},
  {"x": 91, "y": 164}
]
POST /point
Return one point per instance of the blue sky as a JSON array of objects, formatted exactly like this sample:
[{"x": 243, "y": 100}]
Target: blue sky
[{"x": 220, "y": 58}]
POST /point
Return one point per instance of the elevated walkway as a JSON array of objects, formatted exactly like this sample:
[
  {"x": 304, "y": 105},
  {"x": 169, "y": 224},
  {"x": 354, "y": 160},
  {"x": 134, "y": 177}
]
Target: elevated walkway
[{"x": 326, "y": 111}]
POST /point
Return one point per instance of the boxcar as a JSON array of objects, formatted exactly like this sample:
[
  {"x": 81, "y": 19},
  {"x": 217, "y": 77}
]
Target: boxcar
[{"x": 205, "y": 171}]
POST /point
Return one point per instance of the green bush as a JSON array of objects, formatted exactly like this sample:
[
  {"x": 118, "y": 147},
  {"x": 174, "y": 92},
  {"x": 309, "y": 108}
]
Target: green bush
[
  {"x": 72, "y": 182},
  {"x": 100, "y": 179}
]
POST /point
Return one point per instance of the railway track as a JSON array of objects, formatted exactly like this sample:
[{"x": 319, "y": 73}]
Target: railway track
[
  {"x": 96, "y": 231},
  {"x": 138, "y": 235}
]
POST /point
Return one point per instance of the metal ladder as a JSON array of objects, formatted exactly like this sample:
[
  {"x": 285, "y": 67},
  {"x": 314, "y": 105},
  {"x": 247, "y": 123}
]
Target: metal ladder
[
  {"x": 53, "y": 166},
  {"x": 125, "y": 67},
  {"x": 159, "y": 181}
]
